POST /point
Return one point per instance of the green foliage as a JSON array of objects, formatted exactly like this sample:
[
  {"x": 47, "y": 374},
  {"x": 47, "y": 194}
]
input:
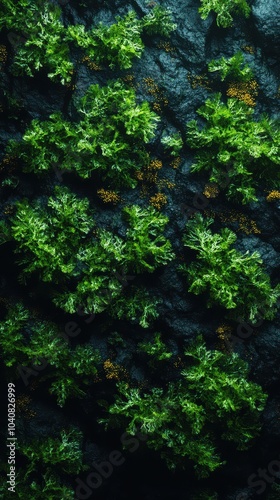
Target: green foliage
[
  {"x": 51, "y": 234},
  {"x": 224, "y": 9},
  {"x": 146, "y": 247},
  {"x": 135, "y": 305},
  {"x": 27, "y": 341},
  {"x": 231, "y": 141},
  {"x": 54, "y": 238},
  {"x": 233, "y": 68},
  {"x": 118, "y": 44},
  {"x": 5, "y": 232},
  {"x": 64, "y": 453},
  {"x": 156, "y": 348},
  {"x": 232, "y": 279},
  {"x": 48, "y": 486},
  {"x": 158, "y": 22},
  {"x": 143, "y": 249},
  {"x": 43, "y": 42},
  {"x": 212, "y": 400},
  {"x": 109, "y": 138},
  {"x": 173, "y": 142},
  {"x": 275, "y": 492}
]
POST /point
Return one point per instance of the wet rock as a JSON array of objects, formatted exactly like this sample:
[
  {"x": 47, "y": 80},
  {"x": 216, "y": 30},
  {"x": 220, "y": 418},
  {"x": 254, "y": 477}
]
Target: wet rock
[{"x": 266, "y": 16}]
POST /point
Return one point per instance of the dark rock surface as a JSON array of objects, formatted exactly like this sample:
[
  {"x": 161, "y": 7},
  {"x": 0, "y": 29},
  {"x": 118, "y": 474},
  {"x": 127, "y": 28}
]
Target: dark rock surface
[{"x": 182, "y": 315}]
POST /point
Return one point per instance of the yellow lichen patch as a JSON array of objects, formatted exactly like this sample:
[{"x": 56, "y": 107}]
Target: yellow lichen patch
[
  {"x": 8, "y": 210},
  {"x": 23, "y": 402},
  {"x": 178, "y": 363},
  {"x": 114, "y": 371},
  {"x": 91, "y": 64},
  {"x": 244, "y": 91},
  {"x": 158, "y": 200},
  {"x": 211, "y": 191},
  {"x": 176, "y": 162},
  {"x": 249, "y": 49},
  {"x": 129, "y": 80},
  {"x": 155, "y": 165},
  {"x": 3, "y": 54},
  {"x": 164, "y": 183},
  {"x": 153, "y": 89},
  {"x": 246, "y": 225},
  {"x": 167, "y": 47},
  {"x": 273, "y": 196},
  {"x": 199, "y": 81},
  {"x": 224, "y": 333},
  {"x": 108, "y": 196}
]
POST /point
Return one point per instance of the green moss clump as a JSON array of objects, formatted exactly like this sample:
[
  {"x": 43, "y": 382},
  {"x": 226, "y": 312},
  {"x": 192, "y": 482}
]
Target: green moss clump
[
  {"x": 109, "y": 138},
  {"x": 224, "y": 9},
  {"x": 40, "y": 38},
  {"x": 120, "y": 43},
  {"x": 232, "y": 279},
  {"x": 55, "y": 238},
  {"x": 27, "y": 342},
  {"x": 232, "y": 144},
  {"x": 184, "y": 421},
  {"x": 50, "y": 236},
  {"x": 233, "y": 68}
]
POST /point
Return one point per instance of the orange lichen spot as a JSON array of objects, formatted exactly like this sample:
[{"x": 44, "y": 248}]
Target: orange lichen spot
[
  {"x": 211, "y": 191},
  {"x": 178, "y": 363},
  {"x": 273, "y": 196},
  {"x": 113, "y": 371},
  {"x": 246, "y": 225},
  {"x": 155, "y": 165},
  {"x": 176, "y": 162},
  {"x": 91, "y": 64},
  {"x": 199, "y": 81},
  {"x": 224, "y": 333},
  {"x": 249, "y": 49},
  {"x": 130, "y": 80},
  {"x": 3, "y": 54},
  {"x": 167, "y": 47},
  {"x": 244, "y": 91},
  {"x": 8, "y": 210},
  {"x": 157, "y": 107},
  {"x": 23, "y": 403},
  {"x": 108, "y": 196},
  {"x": 153, "y": 89},
  {"x": 158, "y": 200}
]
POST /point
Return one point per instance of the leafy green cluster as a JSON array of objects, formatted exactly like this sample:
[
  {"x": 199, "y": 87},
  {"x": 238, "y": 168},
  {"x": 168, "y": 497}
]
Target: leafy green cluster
[
  {"x": 213, "y": 400},
  {"x": 224, "y": 9},
  {"x": 158, "y": 22},
  {"x": 49, "y": 486},
  {"x": 136, "y": 305},
  {"x": 120, "y": 43},
  {"x": 232, "y": 279},
  {"x": 40, "y": 38},
  {"x": 52, "y": 234},
  {"x": 233, "y": 68},
  {"x": 143, "y": 249},
  {"x": 155, "y": 348},
  {"x": 48, "y": 463},
  {"x": 146, "y": 246},
  {"x": 28, "y": 342},
  {"x": 42, "y": 41},
  {"x": 173, "y": 142},
  {"x": 64, "y": 452},
  {"x": 110, "y": 137},
  {"x": 233, "y": 144},
  {"x": 55, "y": 237}
]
